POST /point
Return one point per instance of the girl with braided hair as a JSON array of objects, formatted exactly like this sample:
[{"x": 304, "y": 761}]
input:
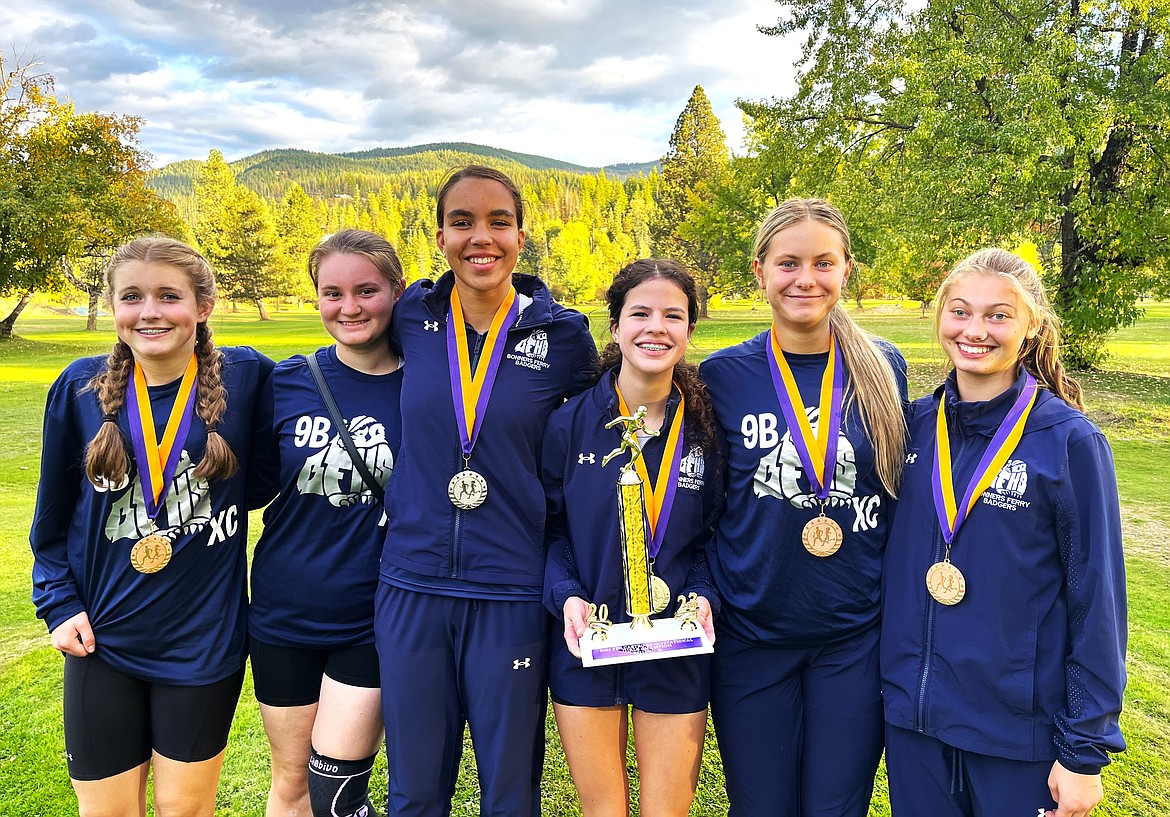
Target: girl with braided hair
[{"x": 139, "y": 537}]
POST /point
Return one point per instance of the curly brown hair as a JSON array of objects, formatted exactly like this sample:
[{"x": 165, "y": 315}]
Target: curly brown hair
[{"x": 701, "y": 428}]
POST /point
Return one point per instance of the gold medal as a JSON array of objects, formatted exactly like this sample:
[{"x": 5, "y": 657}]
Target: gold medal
[
  {"x": 467, "y": 489},
  {"x": 659, "y": 594},
  {"x": 821, "y": 536},
  {"x": 946, "y": 583},
  {"x": 151, "y": 553}
]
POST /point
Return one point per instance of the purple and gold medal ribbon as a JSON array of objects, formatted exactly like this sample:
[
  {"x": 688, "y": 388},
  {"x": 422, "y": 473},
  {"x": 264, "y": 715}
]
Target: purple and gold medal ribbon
[
  {"x": 157, "y": 461},
  {"x": 660, "y": 498},
  {"x": 470, "y": 394},
  {"x": 1007, "y": 436},
  {"x": 818, "y": 452}
]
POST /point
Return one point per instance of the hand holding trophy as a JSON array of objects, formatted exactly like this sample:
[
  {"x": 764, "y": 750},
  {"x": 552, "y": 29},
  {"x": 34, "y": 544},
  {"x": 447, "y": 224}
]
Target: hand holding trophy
[{"x": 642, "y": 639}]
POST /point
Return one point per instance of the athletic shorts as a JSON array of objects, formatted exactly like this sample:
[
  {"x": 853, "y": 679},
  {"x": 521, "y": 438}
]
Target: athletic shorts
[
  {"x": 291, "y": 676},
  {"x": 113, "y": 722},
  {"x": 672, "y": 686}
]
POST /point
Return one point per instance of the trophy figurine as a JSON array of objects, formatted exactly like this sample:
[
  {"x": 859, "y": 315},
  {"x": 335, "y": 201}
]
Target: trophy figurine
[{"x": 642, "y": 639}]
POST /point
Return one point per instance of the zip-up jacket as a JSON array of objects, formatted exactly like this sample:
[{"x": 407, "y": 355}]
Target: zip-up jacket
[
  {"x": 315, "y": 569},
  {"x": 773, "y": 591},
  {"x": 584, "y": 543},
  {"x": 1030, "y": 664},
  {"x": 184, "y": 624},
  {"x": 497, "y": 549}
]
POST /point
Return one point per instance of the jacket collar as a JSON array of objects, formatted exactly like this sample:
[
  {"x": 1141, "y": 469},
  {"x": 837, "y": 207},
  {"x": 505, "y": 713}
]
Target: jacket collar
[{"x": 535, "y": 299}]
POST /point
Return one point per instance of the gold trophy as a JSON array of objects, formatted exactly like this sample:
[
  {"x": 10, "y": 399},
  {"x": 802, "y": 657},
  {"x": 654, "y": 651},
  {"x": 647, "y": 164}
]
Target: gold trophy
[{"x": 642, "y": 639}]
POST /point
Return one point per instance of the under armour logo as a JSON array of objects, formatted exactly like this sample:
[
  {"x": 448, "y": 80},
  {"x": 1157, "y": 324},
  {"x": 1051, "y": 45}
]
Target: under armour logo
[
  {"x": 431, "y": 326},
  {"x": 517, "y": 664},
  {"x": 911, "y": 459},
  {"x": 586, "y": 458}
]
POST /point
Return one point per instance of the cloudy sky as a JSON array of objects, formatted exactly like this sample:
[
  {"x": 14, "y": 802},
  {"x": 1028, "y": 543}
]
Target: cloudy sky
[{"x": 588, "y": 81}]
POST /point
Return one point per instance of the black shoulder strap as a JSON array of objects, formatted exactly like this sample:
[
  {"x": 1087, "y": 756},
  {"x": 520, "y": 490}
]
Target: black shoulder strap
[{"x": 342, "y": 429}]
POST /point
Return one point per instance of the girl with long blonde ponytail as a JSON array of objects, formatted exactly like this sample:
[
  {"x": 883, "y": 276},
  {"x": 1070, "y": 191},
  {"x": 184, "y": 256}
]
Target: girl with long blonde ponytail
[{"x": 811, "y": 412}]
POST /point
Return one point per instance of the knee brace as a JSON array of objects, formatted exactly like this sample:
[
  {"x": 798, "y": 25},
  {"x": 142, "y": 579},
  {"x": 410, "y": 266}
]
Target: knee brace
[{"x": 340, "y": 788}]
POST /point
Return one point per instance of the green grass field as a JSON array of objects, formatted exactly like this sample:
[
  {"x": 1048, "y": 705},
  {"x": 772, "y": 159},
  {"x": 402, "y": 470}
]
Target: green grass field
[{"x": 1130, "y": 400}]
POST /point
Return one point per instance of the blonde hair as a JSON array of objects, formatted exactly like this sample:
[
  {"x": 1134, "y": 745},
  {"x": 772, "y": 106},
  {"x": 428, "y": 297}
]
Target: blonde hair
[
  {"x": 371, "y": 246},
  {"x": 871, "y": 380},
  {"x": 106, "y": 460},
  {"x": 1039, "y": 354}
]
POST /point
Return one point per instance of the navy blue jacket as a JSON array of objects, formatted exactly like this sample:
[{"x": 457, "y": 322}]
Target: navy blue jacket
[
  {"x": 186, "y": 623},
  {"x": 1030, "y": 665},
  {"x": 773, "y": 591},
  {"x": 315, "y": 569},
  {"x": 495, "y": 550},
  {"x": 582, "y": 531}
]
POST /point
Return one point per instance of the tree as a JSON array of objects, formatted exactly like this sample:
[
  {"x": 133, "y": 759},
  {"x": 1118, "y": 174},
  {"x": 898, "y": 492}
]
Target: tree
[
  {"x": 234, "y": 227},
  {"x": 980, "y": 124},
  {"x": 298, "y": 230},
  {"x": 695, "y": 163},
  {"x": 72, "y": 187}
]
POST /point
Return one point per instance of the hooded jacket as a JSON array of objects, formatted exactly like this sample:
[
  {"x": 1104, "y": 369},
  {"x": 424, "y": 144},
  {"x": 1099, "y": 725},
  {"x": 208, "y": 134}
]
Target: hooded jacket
[
  {"x": 497, "y": 549},
  {"x": 1030, "y": 664}
]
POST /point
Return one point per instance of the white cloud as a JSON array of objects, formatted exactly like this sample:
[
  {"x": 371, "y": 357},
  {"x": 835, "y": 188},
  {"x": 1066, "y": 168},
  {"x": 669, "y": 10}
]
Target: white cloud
[{"x": 587, "y": 81}]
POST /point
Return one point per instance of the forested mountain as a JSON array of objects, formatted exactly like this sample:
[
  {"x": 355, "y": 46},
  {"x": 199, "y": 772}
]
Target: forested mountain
[
  {"x": 271, "y": 173},
  {"x": 582, "y": 224}
]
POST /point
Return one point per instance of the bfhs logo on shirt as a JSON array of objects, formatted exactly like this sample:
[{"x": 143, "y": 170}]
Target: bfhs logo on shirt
[
  {"x": 1008, "y": 487},
  {"x": 331, "y": 473},
  {"x": 690, "y": 470},
  {"x": 532, "y": 351}
]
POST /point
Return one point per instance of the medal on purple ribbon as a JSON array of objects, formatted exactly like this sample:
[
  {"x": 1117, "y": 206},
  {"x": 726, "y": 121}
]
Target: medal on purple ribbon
[
  {"x": 822, "y": 535},
  {"x": 156, "y": 462},
  {"x": 944, "y": 581},
  {"x": 468, "y": 489}
]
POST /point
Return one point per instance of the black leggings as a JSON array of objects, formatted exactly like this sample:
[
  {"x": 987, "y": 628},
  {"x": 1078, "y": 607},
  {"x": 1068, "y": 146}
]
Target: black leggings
[{"x": 113, "y": 722}]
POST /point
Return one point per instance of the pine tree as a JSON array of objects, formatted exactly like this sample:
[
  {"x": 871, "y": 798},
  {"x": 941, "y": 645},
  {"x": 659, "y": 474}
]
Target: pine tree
[{"x": 695, "y": 163}]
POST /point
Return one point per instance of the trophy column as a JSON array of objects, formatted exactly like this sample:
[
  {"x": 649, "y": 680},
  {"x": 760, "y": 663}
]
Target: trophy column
[{"x": 632, "y": 516}]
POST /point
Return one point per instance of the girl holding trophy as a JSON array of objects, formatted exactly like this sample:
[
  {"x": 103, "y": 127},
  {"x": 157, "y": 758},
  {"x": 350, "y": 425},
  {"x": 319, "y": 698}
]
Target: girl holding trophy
[
  {"x": 811, "y": 412},
  {"x": 653, "y": 309}
]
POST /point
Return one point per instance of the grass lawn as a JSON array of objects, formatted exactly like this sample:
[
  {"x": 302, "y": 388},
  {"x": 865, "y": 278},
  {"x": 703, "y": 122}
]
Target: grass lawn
[{"x": 1130, "y": 400}]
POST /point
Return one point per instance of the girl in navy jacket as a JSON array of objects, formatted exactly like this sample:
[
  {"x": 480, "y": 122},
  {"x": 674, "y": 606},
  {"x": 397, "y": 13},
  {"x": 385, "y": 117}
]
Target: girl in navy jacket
[
  {"x": 460, "y": 627},
  {"x": 139, "y": 538},
  {"x": 1004, "y": 613},
  {"x": 653, "y": 308},
  {"x": 811, "y": 412},
  {"x": 311, "y": 621}
]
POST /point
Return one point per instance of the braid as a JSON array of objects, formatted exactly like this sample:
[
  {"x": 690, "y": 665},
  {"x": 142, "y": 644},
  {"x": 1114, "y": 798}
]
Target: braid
[
  {"x": 106, "y": 462},
  {"x": 219, "y": 461}
]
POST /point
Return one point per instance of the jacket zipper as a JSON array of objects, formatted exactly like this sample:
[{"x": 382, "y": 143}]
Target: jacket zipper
[
  {"x": 931, "y": 604},
  {"x": 457, "y": 530}
]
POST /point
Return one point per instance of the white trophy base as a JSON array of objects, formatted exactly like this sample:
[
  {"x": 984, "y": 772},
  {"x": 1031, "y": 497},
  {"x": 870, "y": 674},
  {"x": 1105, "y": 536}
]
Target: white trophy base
[{"x": 667, "y": 638}]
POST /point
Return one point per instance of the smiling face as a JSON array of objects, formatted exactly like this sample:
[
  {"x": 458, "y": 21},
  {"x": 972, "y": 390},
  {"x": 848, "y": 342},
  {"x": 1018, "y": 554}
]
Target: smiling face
[
  {"x": 356, "y": 301},
  {"x": 982, "y": 327},
  {"x": 802, "y": 273},
  {"x": 481, "y": 238},
  {"x": 155, "y": 314},
  {"x": 653, "y": 329}
]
